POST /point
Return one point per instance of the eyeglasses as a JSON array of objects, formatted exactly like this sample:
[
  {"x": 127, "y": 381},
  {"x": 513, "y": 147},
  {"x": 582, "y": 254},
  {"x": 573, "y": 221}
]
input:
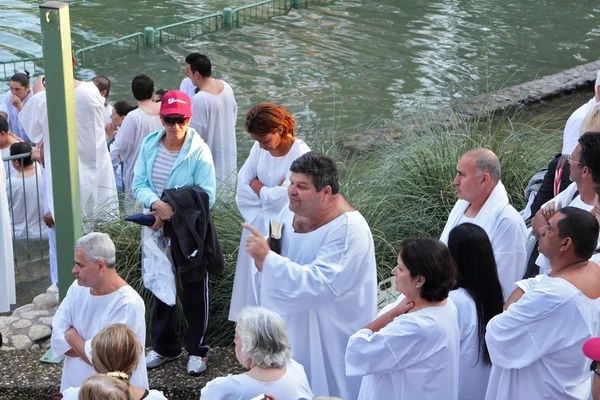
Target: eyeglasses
[
  {"x": 170, "y": 121},
  {"x": 570, "y": 160}
]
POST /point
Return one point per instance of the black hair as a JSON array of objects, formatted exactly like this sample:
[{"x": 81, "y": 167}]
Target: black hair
[
  {"x": 160, "y": 93},
  {"x": 431, "y": 259},
  {"x": 581, "y": 226},
  {"x": 102, "y": 83},
  {"x": 320, "y": 168},
  {"x": 22, "y": 148},
  {"x": 3, "y": 124},
  {"x": 123, "y": 107},
  {"x": 199, "y": 63},
  {"x": 21, "y": 77},
  {"x": 590, "y": 153},
  {"x": 477, "y": 273},
  {"x": 142, "y": 87}
]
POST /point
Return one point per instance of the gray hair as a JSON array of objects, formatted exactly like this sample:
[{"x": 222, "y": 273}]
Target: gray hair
[
  {"x": 98, "y": 246},
  {"x": 264, "y": 337},
  {"x": 486, "y": 161}
]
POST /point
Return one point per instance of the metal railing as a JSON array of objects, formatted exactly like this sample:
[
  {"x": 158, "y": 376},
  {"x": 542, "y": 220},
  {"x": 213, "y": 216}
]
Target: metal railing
[
  {"x": 9, "y": 68},
  {"x": 261, "y": 11},
  {"x": 26, "y": 210},
  {"x": 190, "y": 29},
  {"x": 185, "y": 30},
  {"x": 104, "y": 51}
]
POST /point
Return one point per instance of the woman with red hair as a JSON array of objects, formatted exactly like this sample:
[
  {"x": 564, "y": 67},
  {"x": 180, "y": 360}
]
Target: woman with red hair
[{"x": 262, "y": 187}]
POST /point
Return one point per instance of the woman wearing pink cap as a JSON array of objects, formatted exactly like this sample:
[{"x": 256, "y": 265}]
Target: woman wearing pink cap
[{"x": 176, "y": 157}]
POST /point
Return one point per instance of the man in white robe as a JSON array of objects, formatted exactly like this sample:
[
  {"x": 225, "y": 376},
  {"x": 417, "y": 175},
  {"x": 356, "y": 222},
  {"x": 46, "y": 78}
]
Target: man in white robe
[
  {"x": 99, "y": 297},
  {"x": 7, "y": 262},
  {"x": 324, "y": 283},
  {"x": 483, "y": 201},
  {"x": 188, "y": 87},
  {"x": 7, "y": 139},
  {"x": 579, "y": 194},
  {"x": 98, "y": 191},
  {"x": 535, "y": 345},
  {"x": 214, "y": 115},
  {"x": 573, "y": 126}
]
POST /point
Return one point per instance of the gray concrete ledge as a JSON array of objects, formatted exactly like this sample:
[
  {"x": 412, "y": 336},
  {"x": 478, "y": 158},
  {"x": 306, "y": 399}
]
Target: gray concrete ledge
[{"x": 24, "y": 377}]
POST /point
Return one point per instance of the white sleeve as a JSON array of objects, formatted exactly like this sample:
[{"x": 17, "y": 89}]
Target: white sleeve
[
  {"x": 527, "y": 284},
  {"x": 565, "y": 197},
  {"x": 199, "y": 116},
  {"x": 399, "y": 345},
  {"x": 571, "y": 132},
  {"x": 4, "y": 104},
  {"x": 510, "y": 253},
  {"x": 61, "y": 323},
  {"x": 247, "y": 201},
  {"x": 528, "y": 329},
  {"x": 343, "y": 259},
  {"x": 34, "y": 117},
  {"x": 125, "y": 139}
]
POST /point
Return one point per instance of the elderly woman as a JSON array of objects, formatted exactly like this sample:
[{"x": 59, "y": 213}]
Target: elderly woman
[
  {"x": 116, "y": 353},
  {"x": 176, "y": 157},
  {"x": 262, "y": 187},
  {"x": 261, "y": 346},
  {"x": 411, "y": 350},
  {"x": 14, "y": 101}
]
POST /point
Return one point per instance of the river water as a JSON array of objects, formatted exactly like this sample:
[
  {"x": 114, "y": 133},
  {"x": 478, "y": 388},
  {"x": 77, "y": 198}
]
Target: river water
[{"x": 343, "y": 65}]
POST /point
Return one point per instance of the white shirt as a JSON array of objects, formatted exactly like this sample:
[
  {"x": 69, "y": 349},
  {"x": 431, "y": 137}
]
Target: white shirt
[
  {"x": 13, "y": 114},
  {"x": 27, "y": 196},
  {"x": 414, "y": 357},
  {"x": 108, "y": 114},
  {"x": 187, "y": 87},
  {"x": 214, "y": 118},
  {"x": 134, "y": 129},
  {"x": 573, "y": 126},
  {"x": 535, "y": 345},
  {"x": 293, "y": 385},
  {"x": 89, "y": 315},
  {"x": 473, "y": 374},
  {"x": 324, "y": 285},
  {"x": 566, "y": 199},
  {"x": 258, "y": 211},
  {"x": 73, "y": 394},
  {"x": 7, "y": 262},
  {"x": 10, "y": 171},
  {"x": 97, "y": 185}
]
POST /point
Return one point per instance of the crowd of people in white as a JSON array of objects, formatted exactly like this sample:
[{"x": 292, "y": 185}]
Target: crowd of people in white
[{"x": 480, "y": 314}]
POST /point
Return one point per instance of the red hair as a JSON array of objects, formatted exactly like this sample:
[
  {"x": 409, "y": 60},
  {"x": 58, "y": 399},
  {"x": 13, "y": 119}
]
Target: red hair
[{"x": 266, "y": 118}]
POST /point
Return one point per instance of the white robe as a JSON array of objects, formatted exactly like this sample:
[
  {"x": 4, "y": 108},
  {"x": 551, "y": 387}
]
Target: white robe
[
  {"x": 572, "y": 127},
  {"x": 416, "y": 356},
  {"x": 214, "y": 118},
  {"x": 259, "y": 211},
  {"x": 506, "y": 230},
  {"x": 10, "y": 170},
  {"x": 187, "y": 87},
  {"x": 473, "y": 374},
  {"x": 293, "y": 385},
  {"x": 7, "y": 262},
  {"x": 134, "y": 129},
  {"x": 89, "y": 315},
  {"x": 535, "y": 345},
  {"x": 13, "y": 114},
  {"x": 566, "y": 199},
  {"x": 28, "y": 221},
  {"x": 325, "y": 287},
  {"x": 98, "y": 191}
]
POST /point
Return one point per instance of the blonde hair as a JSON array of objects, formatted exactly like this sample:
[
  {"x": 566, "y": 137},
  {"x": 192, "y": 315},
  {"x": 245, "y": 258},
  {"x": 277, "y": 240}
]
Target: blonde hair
[
  {"x": 115, "y": 349},
  {"x": 104, "y": 387},
  {"x": 591, "y": 123}
]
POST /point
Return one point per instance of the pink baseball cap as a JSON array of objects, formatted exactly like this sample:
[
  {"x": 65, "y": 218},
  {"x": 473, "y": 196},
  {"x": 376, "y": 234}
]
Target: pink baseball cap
[
  {"x": 591, "y": 349},
  {"x": 176, "y": 102}
]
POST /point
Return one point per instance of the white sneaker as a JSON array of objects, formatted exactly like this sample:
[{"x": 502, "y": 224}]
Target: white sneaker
[
  {"x": 196, "y": 365},
  {"x": 153, "y": 359}
]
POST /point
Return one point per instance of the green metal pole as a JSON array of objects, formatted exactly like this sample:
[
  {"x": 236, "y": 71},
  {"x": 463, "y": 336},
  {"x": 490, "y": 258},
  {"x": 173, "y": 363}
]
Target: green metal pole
[
  {"x": 149, "y": 35},
  {"x": 228, "y": 17},
  {"x": 56, "y": 42}
]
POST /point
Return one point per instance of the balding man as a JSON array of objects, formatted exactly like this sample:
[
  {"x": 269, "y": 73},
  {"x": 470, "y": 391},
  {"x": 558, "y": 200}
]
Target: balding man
[
  {"x": 99, "y": 297},
  {"x": 483, "y": 201},
  {"x": 103, "y": 85}
]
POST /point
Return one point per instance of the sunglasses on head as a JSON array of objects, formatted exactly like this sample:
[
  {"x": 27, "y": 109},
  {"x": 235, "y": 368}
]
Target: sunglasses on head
[{"x": 170, "y": 121}]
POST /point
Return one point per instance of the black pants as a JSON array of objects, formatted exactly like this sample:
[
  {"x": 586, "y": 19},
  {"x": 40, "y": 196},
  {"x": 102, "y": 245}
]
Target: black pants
[{"x": 196, "y": 309}]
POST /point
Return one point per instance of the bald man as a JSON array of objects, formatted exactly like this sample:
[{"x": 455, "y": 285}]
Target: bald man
[{"x": 483, "y": 201}]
